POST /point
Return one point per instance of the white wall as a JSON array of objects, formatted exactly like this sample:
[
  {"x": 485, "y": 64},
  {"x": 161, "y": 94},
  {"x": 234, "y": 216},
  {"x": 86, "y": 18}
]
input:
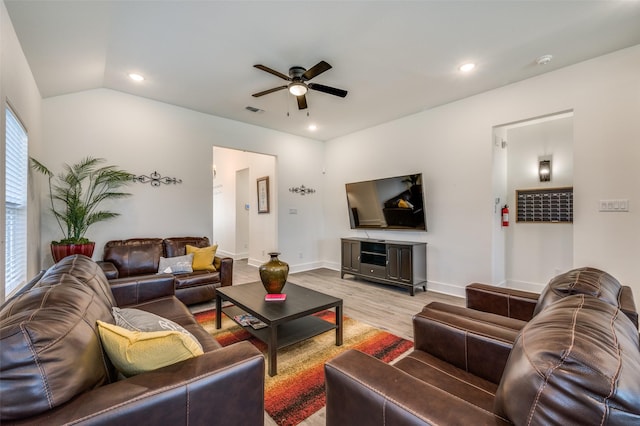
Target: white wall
[
  {"x": 143, "y": 136},
  {"x": 452, "y": 146},
  {"x": 536, "y": 252},
  {"x": 243, "y": 211},
  {"x": 500, "y": 199},
  {"x": 18, "y": 88}
]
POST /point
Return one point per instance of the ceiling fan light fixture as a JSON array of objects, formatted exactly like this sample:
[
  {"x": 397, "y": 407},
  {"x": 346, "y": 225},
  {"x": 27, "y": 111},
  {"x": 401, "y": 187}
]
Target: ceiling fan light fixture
[{"x": 297, "y": 89}]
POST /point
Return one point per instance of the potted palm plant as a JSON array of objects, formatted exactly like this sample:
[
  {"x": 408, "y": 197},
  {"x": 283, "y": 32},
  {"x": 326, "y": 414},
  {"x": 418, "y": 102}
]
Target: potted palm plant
[{"x": 75, "y": 195}]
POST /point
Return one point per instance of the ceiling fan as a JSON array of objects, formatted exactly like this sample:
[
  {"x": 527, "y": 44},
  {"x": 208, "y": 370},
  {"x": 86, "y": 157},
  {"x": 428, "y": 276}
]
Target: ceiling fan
[{"x": 298, "y": 85}]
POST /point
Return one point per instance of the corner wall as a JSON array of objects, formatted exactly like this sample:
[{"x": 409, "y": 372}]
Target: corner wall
[
  {"x": 143, "y": 136},
  {"x": 452, "y": 146},
  {"x": 18, "y": 88}
]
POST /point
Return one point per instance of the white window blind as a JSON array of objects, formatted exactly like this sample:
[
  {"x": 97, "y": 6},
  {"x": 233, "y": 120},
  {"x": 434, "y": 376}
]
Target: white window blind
[{"x": 16, "y": 203}]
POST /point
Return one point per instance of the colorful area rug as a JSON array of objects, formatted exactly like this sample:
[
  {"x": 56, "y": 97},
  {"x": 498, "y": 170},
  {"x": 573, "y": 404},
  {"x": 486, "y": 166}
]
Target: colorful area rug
[{"x": 297, "y": 391}]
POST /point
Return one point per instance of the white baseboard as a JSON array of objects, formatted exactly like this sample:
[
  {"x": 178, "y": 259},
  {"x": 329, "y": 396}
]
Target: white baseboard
[
  {"x": 234, "y": 256},
  {"x": 450, "y": 289},
  {"x": 334, "y": 266}
]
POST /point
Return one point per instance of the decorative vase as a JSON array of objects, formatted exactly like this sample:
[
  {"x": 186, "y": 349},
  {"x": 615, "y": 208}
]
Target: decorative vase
[
  {"x": 60, "y": 251},
  {"x": 274, "y": 274}
]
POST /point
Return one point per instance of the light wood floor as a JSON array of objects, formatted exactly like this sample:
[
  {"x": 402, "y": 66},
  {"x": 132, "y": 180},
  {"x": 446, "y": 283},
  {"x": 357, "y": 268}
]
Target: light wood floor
[{"x": 386, "y": 307}]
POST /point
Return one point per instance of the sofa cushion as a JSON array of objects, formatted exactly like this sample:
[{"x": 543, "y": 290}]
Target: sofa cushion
[
  {"x": 85, "y": 271},
  {"x": 51, "y": 350},
  {"x": 591, "y": 281},
  {"x": 139, "y": 320},
  {"x": 203, "y": 257},
  {"x": 197, "y": 278},
  {"x": 136, "y": 256},
  {"x": 176, "y": 265},
  {"x": 134, "y": 352},
  {"x": 575, "y": 362},
  {"x": 444, "y": 376},
  {"x": 176, "y": 246},
  {"x": 172, "y": 308}
]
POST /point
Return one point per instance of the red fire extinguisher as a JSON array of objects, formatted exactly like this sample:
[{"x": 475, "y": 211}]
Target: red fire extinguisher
[{"x": 505, "y": 215}]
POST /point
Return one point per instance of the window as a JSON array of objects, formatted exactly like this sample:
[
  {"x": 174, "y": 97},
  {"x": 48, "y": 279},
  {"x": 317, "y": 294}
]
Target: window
[{"x": 15, "y": 203}]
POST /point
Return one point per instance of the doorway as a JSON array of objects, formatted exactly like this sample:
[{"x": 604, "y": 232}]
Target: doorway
[
  {"x": 240, "y": 231},
  {"x": 527, "y": 255}
]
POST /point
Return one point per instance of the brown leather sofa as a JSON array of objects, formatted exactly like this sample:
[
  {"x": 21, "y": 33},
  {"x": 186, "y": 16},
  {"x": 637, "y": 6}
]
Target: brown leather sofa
[
  {"x": 53, "y": 369},
  {"x": 577, "y": 361},
  {"x": 140, "y": 257}
]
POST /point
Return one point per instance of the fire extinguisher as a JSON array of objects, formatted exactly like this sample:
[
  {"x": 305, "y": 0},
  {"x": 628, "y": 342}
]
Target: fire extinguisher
[{"x": 505, "y": 215}]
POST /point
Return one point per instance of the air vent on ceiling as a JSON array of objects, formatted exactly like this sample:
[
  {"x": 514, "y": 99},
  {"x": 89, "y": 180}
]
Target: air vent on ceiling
[{"x": 254, "y": 109}]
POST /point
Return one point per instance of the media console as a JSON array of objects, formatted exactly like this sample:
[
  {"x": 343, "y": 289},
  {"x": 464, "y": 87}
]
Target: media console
[{"x": 398, "y": 263}]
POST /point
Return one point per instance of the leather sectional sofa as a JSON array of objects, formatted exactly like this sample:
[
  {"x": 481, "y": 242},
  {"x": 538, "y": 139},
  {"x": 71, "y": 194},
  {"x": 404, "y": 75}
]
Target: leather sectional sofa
[
  {"x": 54, "y": 369},
  {"x": 140, "y": 257},
  {"x": 575, "y": 360}
]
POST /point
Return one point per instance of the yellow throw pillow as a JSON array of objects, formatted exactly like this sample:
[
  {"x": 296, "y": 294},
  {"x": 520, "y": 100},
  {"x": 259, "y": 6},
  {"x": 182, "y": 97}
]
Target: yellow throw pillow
[
  {"x": 203, "y": 257},
  {"x": 134, "y": 352}
]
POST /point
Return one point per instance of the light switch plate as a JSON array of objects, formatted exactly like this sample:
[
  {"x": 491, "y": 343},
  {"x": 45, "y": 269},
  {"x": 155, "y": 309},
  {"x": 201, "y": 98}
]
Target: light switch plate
[{"x": 618, "y": 205}]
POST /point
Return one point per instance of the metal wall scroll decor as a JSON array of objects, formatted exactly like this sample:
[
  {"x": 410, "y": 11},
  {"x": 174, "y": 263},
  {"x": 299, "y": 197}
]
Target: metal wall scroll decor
[
  {"x": 302, "y": 190},
  {"x": 155, "y": 179}
]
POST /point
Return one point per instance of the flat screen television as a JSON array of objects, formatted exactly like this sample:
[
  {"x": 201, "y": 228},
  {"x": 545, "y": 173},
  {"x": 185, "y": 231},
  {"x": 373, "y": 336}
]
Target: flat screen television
[{"x": 394, "y": 203}]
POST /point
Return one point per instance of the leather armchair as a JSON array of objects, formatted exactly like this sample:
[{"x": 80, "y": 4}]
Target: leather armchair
[
  {"x": 580, "y": 365},
  {"x": 524, "y": 305}
]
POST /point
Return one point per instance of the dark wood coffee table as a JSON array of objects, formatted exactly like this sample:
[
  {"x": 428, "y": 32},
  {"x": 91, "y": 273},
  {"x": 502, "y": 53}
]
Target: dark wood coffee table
[{"x": 288, "y": 322}]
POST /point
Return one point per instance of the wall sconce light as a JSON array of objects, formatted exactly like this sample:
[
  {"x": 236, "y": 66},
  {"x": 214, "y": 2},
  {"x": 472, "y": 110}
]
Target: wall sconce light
[{"x": 544, "y": 170}]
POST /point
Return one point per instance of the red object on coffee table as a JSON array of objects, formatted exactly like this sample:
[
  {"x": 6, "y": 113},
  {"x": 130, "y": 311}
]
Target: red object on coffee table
[{"x": 275, "y": 297}]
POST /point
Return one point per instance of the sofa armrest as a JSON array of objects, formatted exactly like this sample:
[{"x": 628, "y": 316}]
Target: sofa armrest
[
  {"x": 361, "y": 389},
  {"x": 109, "y": 269},
  {"x": 225, "y": 384},
  {"x": 507, "y": 302},
  {"x": 136, "y": 290},
  {"x": 474, "y": 341},
  {"x": 226, "y": 271}
]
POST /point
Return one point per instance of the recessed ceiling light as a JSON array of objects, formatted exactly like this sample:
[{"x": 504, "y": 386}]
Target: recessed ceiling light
[
  {"x": 467, "y": 67},
  {"x": 312, "y": 127},
  {"x": 544, "y": 59},
  {"x": 136, "y": 77}
]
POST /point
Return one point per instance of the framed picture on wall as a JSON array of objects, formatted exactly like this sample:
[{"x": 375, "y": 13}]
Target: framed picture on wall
[{"x": 263, "y": 194}]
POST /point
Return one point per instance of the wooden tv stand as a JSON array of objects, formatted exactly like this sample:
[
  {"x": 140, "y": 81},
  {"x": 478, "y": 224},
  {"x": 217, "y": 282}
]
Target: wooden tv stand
[{"x": 398, "y": 263}]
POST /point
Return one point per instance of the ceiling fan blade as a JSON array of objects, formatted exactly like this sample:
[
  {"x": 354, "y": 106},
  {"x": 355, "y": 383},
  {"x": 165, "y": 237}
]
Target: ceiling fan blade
[
  {"x": 266, "y": 92},
  {"x": 272, "y": 71},
  {"x": 302, "y": 102},
  {"x": 327, "y": 89},
  {"x": 316, "y": 70}
]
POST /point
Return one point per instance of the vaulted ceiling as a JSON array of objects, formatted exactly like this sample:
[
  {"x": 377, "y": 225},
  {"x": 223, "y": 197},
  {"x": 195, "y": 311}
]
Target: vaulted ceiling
[{"x": 394, "y": 58}]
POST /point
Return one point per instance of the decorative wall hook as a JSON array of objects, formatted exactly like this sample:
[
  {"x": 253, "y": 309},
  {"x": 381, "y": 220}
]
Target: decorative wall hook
[
  {"x": 302, "y": 190},
  {"x": 155, "y": 179}
]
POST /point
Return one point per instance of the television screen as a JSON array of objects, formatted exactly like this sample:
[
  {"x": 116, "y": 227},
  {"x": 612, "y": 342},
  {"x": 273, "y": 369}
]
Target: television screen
[{"x": 395, "y": 203}]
